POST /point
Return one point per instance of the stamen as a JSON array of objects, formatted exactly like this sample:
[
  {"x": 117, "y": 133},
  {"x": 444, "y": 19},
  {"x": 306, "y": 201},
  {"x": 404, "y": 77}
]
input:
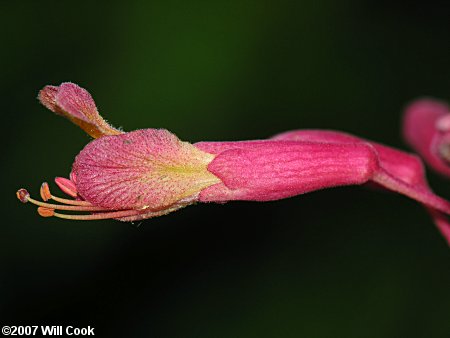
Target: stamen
[
  {"x": 24, "y": 197},
  {"x": 71, "y": 202},
  {"x": 44, "y": 212},
  {"x": 45, "y": 192},
  {"x": 48, "y": 209},
  {"x": 99, "y": 216},
  {"x": 46, "y": 195}
]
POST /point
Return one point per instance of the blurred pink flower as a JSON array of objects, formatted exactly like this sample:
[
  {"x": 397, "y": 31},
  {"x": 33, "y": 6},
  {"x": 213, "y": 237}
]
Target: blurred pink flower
[
  {"x": 150, "y": 172},
  {"x": 426, "y": 127}
]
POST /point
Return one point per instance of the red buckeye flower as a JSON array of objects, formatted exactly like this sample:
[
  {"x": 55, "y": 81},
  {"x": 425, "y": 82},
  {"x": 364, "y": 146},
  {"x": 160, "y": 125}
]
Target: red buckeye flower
[{"x": 149, "y": 172}]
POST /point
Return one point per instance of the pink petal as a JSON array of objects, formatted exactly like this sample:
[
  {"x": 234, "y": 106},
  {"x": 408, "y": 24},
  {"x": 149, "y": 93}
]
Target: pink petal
[
  {"x": 76, "y": 104},
  {"x": 270, "y": 170},
  {"x": 406, "y": 166},
  {"x": 47, "y": 96},
  {"x": 67, "y": 186},
  {"x": 149, "y": 168}
]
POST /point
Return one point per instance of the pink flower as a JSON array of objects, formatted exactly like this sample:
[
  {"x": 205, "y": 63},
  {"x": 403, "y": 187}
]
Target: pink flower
[
  {"x": 426, "y": 127},
  {"x": 150, "y": 172}
]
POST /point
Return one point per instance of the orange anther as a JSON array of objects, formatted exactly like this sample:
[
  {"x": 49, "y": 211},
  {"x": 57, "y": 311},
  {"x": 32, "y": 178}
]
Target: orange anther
[
  {"x": 45, "y": 192},
  {"x": 46, "y": 212}
]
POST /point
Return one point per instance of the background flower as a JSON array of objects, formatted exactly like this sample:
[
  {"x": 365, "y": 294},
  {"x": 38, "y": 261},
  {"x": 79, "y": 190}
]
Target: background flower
[{"x": 426, "y": 129}]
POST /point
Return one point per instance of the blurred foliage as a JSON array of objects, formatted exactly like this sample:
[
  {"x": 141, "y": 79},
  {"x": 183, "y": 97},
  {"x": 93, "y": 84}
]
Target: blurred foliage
[{"x": 347, "y": 262}]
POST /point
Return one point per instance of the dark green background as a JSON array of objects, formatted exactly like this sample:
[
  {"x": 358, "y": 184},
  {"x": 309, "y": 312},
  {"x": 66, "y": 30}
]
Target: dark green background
[{"x": 347, "y": 262}]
